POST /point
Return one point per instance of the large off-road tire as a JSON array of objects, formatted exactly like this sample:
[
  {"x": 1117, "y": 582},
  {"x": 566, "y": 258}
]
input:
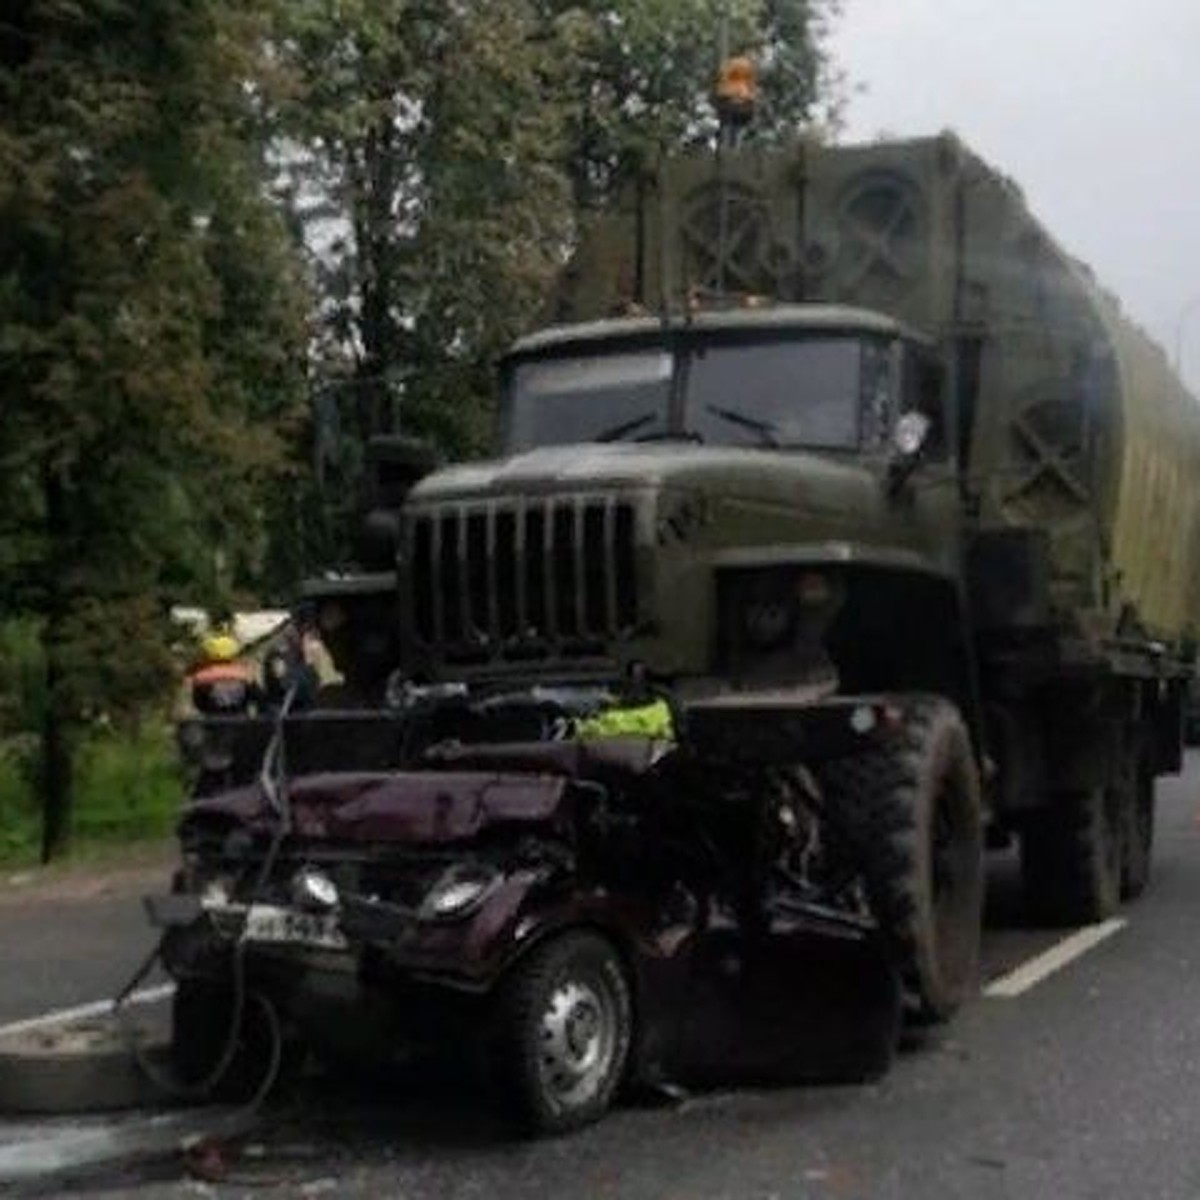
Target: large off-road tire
[
  {"x": 1071, "y": 857},
  {"x": 911, "y": 810},
  {"x": 1138, "y": 848},
  {"x": 563, "y": 1028}
]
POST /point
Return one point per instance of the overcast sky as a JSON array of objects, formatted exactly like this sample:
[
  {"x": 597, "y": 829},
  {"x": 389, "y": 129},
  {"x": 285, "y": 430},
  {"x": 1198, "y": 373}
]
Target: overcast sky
[{"x": 1093, "y": 106}]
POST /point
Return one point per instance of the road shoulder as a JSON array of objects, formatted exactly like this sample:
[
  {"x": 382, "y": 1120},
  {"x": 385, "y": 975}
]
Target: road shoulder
[{"x": 119, "y": 871}]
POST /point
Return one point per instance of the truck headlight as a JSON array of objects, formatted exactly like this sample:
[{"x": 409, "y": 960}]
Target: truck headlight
[
  {"x": 778, "y": 610},
  {"x": 314, "y": 890},
  {"x": 457, "y": 893},
  {"x": 768, "y": 623}
]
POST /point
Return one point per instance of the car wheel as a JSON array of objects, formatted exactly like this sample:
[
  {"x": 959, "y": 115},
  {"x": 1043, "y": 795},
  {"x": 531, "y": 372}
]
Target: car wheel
[{"x": 563, "y": 1032}]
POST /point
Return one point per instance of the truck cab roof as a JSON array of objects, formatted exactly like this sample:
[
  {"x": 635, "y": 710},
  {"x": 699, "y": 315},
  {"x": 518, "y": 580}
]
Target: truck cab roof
[{"x": 824, "y": 318}]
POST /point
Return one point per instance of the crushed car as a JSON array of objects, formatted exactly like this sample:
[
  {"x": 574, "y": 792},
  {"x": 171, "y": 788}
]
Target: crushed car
[{"x": 512, "y": 876}]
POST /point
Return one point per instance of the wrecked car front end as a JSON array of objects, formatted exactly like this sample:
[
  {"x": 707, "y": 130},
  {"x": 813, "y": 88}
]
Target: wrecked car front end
[{"x": 575, "y": 915}]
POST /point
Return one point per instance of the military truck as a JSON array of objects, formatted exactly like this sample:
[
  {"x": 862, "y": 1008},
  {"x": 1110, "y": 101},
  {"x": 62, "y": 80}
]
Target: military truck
[
  {"x": 835, "y": 453},
  {"x": 846, "y": 413}
]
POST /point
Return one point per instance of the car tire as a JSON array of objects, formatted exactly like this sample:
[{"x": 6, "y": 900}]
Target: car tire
[
  {"x": 563, "y": 1029},
  {"x": 909, "y": 806}
]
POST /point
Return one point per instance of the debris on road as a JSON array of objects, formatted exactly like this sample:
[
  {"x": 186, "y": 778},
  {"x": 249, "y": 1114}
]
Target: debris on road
[{"x": 36, "y": 1151}]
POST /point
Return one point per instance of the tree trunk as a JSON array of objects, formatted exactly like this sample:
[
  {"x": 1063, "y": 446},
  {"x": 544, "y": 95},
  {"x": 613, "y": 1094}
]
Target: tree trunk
[
  {"x": 56, "y": 760},
  {"x": 56, "y": 766}
]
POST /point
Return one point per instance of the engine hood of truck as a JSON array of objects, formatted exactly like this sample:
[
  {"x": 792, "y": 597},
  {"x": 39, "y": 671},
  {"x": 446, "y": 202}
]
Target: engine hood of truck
[
  {"x": 741, "y": 470},
  {"x": 584, "y": 551}
]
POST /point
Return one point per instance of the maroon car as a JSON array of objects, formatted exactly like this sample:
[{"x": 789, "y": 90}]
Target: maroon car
[{"x": 572, "y": 915}]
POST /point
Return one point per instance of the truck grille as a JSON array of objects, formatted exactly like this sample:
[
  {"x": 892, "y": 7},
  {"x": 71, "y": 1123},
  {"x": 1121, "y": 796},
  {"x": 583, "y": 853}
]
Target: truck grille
[{"x": 507, "y": 580}]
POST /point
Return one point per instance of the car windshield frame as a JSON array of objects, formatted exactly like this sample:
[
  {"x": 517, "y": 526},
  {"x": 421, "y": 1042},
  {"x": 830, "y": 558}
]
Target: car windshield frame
[{"x": 696, "y": 403}]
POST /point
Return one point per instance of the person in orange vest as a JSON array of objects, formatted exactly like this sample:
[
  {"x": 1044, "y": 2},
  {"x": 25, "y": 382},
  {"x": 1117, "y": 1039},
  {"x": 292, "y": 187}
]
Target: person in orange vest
[{"x": 222, "y": 684}]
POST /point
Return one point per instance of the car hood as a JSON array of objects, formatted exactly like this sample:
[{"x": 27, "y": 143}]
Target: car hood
[{"x": 413, "y": 808}]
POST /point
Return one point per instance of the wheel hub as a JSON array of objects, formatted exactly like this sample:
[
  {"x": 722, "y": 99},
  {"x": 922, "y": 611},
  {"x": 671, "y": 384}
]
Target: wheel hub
[{"x": 577, "y": 1039}]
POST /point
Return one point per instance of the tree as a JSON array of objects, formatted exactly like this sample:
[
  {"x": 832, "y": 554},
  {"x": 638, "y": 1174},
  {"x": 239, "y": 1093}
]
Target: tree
[
  {"x": 637, "y": 77},
  {"x": 439, "y": 158},
  {"x": 151, "y": 339},
  {"x": 422, "y": 163}
]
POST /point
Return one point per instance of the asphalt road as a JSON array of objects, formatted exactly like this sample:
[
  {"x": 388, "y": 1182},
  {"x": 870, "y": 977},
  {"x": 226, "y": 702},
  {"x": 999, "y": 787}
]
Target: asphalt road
[
  {"x": 73, "y": 942},
  {"x": 1086, "y": 1085}
]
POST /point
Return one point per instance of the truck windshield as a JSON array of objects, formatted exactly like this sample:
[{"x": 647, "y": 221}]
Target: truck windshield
[
  {"x": 794, "y": 393},
  {"x": 820, "y": 392},
  {"x": 600, "y": 397}
]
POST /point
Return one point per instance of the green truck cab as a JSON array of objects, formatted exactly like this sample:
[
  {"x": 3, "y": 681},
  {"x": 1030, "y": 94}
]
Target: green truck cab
[{"x": 708, "y": 498}]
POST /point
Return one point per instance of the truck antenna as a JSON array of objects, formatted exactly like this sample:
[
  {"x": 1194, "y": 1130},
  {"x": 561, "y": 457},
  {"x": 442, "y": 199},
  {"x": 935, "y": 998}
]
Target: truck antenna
[
  {"x": 664, "y": 253},
  {"x": 735, "y": 98}
]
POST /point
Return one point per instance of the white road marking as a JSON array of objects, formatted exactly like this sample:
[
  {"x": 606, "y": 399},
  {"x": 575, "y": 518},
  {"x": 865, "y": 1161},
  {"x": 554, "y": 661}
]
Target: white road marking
[
  {"x": 81, "y": 1012},
  {"x": 1030, "y": 973}
]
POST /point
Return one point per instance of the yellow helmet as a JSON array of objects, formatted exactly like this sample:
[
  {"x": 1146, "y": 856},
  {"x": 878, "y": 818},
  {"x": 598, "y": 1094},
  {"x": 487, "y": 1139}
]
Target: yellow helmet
[{"x": 220, "y": 647}]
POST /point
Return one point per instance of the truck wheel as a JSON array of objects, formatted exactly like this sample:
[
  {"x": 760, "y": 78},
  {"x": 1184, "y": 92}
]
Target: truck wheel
[
  {"x": 563, "y": 1031},
  {"x": 1138, "y": 835},
  {"x": 914, "y": 817},
  {"x": 1071, "y": 857}
]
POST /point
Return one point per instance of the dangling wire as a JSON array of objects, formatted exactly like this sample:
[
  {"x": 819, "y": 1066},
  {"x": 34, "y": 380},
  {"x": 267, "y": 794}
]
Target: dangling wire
[{"x": 273, "y": 781}]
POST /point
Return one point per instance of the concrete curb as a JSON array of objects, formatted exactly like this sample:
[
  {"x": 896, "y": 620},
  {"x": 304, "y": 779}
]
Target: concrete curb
[
  {"x": 58, "y": 1072},
  {"x": 81, "y": 1067}
]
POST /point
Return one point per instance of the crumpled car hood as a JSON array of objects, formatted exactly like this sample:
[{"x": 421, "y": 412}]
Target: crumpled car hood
[{"x": 415, "y": 807}]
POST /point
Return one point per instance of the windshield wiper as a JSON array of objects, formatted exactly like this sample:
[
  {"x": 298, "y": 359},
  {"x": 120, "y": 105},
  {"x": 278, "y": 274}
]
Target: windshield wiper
[
  {"x": 765, "y": 429},
  {"x": 617, "y": 432}
]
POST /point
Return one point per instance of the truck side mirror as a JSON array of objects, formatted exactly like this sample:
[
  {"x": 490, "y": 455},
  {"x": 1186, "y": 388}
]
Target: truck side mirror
[
  {"x": 910, "y": 436},
  {"x": 395, "y": 464}
]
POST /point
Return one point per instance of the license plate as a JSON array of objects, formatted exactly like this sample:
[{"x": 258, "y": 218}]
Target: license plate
[{"x": 285, "y": 926}]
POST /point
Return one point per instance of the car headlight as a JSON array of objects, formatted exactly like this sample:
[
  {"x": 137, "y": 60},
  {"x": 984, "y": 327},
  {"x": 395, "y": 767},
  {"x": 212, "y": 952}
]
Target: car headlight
[
  {"x": 215, "y": 893},
  {"x": 314, "y": 890},
  {"x": 456, "y": 894}
]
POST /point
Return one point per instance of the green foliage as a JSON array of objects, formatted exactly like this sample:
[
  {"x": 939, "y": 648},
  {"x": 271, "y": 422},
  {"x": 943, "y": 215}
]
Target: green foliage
[
  {"x": 22, "y": 678},
  {"x": 128, "y": 789},
  {"x": 423, "y": 163},
  {"x": 159, "y": 313},
  {"x": 438, "y": 159},
  {"x": 636, "y": 77},
  {"x": 19, "y": 823},
  {"x": 130, "y": 786},
  {"x": 151, "y": 337},
  {"x": 128, "y": 781}
]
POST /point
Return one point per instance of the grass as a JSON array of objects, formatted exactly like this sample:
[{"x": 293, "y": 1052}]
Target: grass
[
  {"x": 128, "y": 789},
  {"x": 18, "y": 824}
]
